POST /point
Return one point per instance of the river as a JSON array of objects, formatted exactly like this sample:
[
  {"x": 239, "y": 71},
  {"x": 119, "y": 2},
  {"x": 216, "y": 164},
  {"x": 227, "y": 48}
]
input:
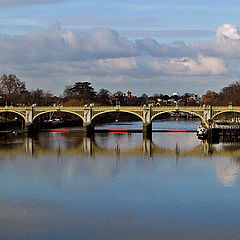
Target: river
[{"x": 119, "y": 186}]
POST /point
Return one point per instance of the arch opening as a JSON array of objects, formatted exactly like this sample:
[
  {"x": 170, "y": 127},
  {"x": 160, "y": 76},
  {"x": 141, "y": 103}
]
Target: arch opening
[
  {"x": 182, "y": 120},
  {"x": 117, "y": 120},
  {"x": 55, "y": 119},
  {"x": 227, "y": 116},
  {"x": 11, "y": 120}
]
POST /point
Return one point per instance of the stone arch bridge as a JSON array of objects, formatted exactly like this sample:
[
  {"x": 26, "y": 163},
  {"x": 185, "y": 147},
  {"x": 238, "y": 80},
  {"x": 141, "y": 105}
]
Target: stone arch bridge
[{"x": 146, "y": 113}]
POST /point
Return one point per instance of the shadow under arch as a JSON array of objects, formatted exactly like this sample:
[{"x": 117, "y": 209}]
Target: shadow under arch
[
  {"x": 184, "y": 111},
  {"x": 224, "y": 112},
  {"x": 117, "y": 111},
  {"x": 58, "y": 111},
  {"x": 12, "y": 111}
]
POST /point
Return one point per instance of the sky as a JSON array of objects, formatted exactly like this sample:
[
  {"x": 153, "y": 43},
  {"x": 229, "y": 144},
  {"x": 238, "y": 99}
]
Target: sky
[{"x": 154, "y": 46}]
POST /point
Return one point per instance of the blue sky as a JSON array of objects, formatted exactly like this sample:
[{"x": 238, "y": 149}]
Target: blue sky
[{"x": 144, "y": 46}]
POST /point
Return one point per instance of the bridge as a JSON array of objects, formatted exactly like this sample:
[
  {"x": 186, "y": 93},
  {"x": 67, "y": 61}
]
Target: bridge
[{"x": 145, "y": 113}]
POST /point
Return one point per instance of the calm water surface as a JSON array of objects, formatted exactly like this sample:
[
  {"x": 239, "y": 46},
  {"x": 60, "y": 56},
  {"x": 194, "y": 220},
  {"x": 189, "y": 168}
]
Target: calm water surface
[{"x": 119, "y": 186}]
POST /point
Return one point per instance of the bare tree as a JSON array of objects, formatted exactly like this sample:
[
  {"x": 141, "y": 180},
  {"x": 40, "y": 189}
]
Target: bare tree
[{"x": 12, "y": 88}]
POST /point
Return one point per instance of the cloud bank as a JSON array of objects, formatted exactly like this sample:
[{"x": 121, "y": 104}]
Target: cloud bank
[{"x": 55, "y": 55}]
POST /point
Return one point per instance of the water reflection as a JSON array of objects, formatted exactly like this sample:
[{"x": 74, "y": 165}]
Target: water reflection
[
  {"x": 121, "y": 145},
  {"x": 117, "y": 146},
  {"x": 228, "y": 172},
  {"x": 64, "y": 186},
  {"x": 163, "y": 145},
  {"x": 105, "y": 145}
]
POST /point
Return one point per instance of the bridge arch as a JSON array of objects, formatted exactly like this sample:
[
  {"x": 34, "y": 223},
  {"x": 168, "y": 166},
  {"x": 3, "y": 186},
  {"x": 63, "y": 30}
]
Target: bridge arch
[
  {"x": 226, "y": 111},
  {"x": 51, "y": 111},
  {"x": 185, "y": 111},
  {"x": 118, "y": 111},
  {"x": 12, "y": 111}
]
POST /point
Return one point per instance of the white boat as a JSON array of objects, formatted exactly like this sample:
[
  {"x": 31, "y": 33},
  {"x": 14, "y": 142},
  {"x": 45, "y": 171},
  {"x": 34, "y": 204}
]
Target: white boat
[
  {"x": 201, "y": 131},
  {"x": 54, "y": 121}
]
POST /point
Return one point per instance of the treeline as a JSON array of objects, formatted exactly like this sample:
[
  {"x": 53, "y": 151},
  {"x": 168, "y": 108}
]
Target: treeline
[
  {"x": 13, "y": 91},
  {"x": 229, "y": 95}
]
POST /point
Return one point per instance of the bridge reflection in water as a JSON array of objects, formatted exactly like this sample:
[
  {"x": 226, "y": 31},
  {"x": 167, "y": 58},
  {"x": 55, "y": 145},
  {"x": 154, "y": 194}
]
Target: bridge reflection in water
[
  {"x": 82, "y": 146},
  {"x": 105, "y": 147}
]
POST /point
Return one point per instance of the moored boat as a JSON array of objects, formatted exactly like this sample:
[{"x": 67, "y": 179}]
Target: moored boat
[{"x": 201, "y": 132}]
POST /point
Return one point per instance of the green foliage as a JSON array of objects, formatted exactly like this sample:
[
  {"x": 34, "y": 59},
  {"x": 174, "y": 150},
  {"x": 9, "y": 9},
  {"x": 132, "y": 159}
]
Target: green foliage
[
  {"x": 103, "y": 96},
  {"x": 80, "y": 90}
]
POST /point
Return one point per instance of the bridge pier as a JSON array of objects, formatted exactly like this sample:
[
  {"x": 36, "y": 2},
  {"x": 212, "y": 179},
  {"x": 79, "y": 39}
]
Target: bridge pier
[
  {"x": 147, "y": 130},
  {"x": 88, "y": 129},
  {"x": 207, "y": 113},
  {"x": 27, "y": 124}
]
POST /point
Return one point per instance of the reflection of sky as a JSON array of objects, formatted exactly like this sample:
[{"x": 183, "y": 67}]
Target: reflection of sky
[
  {"x": 120, "y": 141},
  {"x": 171, "y": 140},
  {"x": 100, "y": 196},
  {"x": 228, "y": 169},
  {"x": 227, "y": 172},
  {"x": 159, "y": 125},
  {"x": 45, "y": 197},
  {"x": 121, "y": 125},
  {"x": 181, "y": 124},
  {"x": 162, "y": 140}
]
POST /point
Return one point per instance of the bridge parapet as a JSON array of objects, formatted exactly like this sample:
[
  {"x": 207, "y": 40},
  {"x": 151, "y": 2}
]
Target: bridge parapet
[{"x": 146, "y": 113}]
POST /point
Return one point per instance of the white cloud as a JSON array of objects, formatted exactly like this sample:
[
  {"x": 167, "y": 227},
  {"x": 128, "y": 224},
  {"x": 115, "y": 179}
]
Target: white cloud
[
  {"x": 55, "y": 55},
  {"x": 57, "y": 45},
  {"x": 227, "y": 44},
  {"x": 201, "y": 66},
  {"x": 227, "y": 32}
]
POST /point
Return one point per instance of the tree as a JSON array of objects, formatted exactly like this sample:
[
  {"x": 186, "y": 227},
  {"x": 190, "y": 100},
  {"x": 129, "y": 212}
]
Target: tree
[
  {"x": 12, "y": 88},
  {"x": 103, "y": 96},
  {"x": 119, "y": 94},
  {"x": 144, "y": 96},
  {"x": 80, "y": 91},
  {"x": 165, "y": 97},
  {"x": 36, "y": 96},
  {"x": 231, "y": 94},
  {"x": 227, "y": 95},
  {"x": 210, "y": 98}
]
